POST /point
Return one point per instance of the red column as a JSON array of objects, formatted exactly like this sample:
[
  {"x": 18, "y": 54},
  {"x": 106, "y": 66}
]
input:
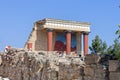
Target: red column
[
  {"x": 49, "y": 39},
  {"x": 29, "y": 46},
  {"x": 85, "y": 37},
  {"x": 68, "y": 42}
]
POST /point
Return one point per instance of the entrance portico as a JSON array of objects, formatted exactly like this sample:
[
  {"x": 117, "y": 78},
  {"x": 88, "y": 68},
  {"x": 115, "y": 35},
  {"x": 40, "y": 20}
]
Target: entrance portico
[{"x": 60, "y": 35}]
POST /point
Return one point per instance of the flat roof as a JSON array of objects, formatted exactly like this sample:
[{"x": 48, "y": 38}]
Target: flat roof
[{"x": 65, "y": 22}]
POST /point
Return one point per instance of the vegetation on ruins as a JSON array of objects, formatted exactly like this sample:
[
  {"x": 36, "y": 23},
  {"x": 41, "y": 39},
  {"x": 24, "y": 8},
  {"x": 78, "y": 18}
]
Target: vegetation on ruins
[
  {"x": 114, "y": 49},
  {"x": 98, "y": 46}
]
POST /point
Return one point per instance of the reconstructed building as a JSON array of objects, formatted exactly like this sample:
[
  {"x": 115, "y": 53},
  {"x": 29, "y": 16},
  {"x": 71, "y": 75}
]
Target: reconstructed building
[{"x": 59, "y": 35}]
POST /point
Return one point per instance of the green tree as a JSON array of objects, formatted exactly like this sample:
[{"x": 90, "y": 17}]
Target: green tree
[
  {"x": 118, "y": 31},
  {"x": 115, "y": 49},
  {"x": 98, "y": 46}
]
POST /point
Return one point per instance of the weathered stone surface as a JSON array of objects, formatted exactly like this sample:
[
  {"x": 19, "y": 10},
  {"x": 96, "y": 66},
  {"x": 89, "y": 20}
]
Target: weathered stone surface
[
  {"x": 22, "y": 65},
  {"x": 0, "y": 60},
  {"x": 89, "y": 71},
  {"x": 91, "y": 59},
  {"x": 94, "y": 72},
  {"x": 114, "y": 65},
  {"x": 68, "y": 72},
  {"x": 114, "y": 75},
  {"x": 19, "y": 64},
  {"x": 1, "y": 78}
]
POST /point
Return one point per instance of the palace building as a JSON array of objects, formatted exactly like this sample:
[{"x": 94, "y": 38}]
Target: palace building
[{"x": 59, "y": 35}]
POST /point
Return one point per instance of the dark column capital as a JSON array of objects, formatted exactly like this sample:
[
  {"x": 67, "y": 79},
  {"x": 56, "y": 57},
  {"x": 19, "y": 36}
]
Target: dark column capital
[
  {"x": 50, "y": 29},
  {"x": 68, "y": 31},
  {"x": 85, "y": 33}
]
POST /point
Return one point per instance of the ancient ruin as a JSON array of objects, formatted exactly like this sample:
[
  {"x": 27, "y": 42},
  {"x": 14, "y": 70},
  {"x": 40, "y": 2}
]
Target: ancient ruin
[
  {"x": 19, "y": 64},
  {"x": 52, "y": 52},
  {"x": 59, "y": 35}
]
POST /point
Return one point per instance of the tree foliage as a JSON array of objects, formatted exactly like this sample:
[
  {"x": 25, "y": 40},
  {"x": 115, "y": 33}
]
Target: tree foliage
[
  {"x": 118, "y": 31},
  {"x": 98, "y": 46},
  {"x": 115, "y": 49}
]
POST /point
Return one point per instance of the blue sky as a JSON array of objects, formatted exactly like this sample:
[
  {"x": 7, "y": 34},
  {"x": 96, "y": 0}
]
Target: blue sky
[{"x": 17, "y": 17}]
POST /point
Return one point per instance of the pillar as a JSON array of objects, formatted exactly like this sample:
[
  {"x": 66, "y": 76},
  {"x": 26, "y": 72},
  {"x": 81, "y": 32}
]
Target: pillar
[
  {"x": 29, "y": 46},
  {"x": 85, "y": 39},
  {"x": 49, "y": 39},
  {"x": 68, "y": 42},
  {"x": 79, "y": 42}
]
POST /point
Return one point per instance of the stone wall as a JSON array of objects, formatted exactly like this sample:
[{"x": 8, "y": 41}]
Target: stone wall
[
  {"x": 41, "y": 40},
  {"x": 18, "y": 64},
  {"x": 114, "y": 69},
  {"x": 94, "y": 70},
  {"x": 38, "y": 38},
  {"x": 106, "y": 70},
  {"x": 23, "y": 65}
]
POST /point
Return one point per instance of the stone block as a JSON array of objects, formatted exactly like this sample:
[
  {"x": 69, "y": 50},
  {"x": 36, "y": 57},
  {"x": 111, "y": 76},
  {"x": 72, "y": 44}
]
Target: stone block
[
  {"x": 114, "y": 65},
  {"x": 94, "y": 72},
  {"x": 88, "y": 78},
  {"x": 69, "y": 72},
  {"x": 99, "y": 74},
  {"x": 114, "y": 76},
  {"x": 89, "y": 71},
  {"x": 91, "y": 59}
]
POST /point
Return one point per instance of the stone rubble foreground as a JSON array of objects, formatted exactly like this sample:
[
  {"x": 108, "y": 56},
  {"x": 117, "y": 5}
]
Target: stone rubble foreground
[
  {"x": 1, "y": 78},
  {"x": 20, "y": 64}
]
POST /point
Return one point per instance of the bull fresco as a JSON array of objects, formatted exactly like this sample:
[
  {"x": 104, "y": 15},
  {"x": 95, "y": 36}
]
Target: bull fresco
[{"x": 60, "y": 43}]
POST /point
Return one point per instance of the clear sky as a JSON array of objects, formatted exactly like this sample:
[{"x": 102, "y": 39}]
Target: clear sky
[{"x": 17, "y": 17}]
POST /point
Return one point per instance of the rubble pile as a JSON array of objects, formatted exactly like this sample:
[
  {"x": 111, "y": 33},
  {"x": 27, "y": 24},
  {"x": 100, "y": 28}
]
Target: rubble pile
[
  {"x": 1, "y": 78},
  {"x": 27, "y": 65},
  {"x": 19, "y": 64}
]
